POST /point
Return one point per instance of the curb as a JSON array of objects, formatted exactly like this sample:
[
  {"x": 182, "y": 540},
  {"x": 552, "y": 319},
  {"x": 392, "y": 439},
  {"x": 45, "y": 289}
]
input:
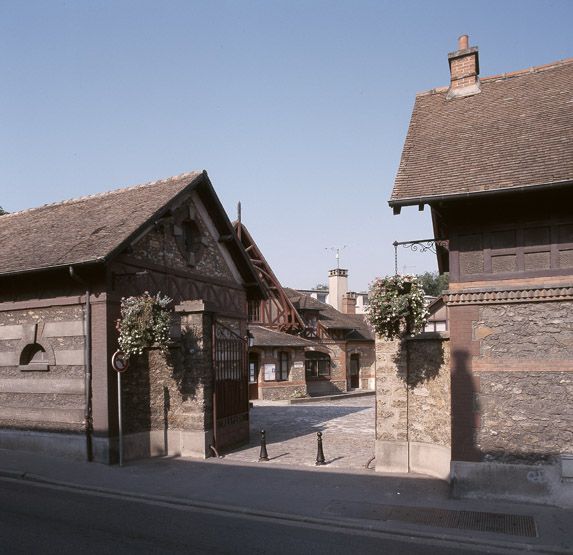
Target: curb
[
  {"x": 335, "y": 397},
  {"x": 347, "y": 524}
]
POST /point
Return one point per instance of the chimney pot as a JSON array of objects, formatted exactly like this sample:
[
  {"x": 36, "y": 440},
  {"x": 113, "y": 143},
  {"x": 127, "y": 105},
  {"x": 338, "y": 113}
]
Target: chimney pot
[{"x": 463, "y": 42}]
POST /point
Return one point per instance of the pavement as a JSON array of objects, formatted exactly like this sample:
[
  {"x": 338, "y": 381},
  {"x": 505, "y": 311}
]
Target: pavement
[
  {"x": 349, "y": 497},
  {"x": 346, "y": 423}
]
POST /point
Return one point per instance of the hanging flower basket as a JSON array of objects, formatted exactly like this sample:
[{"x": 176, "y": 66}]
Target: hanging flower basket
[
  {"x": 145, "y": 322},
  {"x": 397, "y": 307}
]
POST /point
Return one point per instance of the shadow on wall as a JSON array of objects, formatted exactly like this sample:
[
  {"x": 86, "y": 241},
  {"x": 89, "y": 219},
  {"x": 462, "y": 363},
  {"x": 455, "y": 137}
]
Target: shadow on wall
[
  {"x": 415, "y": 370},
  {"x": 469, "y": 414},
  {"x": 157, "y": 384}
]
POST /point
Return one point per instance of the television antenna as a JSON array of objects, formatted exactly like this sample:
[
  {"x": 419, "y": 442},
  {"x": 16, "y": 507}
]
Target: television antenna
[{"x": 337, "y": 251}]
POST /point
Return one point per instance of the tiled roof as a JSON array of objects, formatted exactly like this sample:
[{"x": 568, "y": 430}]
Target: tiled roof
[
  {"x": 331, "y": 318},
  {"x": 85, "y": 229},
  {"x": 265, "y": 337},
  {"x": 517, "y": 132},
  {"x": 302, "y": 301}
]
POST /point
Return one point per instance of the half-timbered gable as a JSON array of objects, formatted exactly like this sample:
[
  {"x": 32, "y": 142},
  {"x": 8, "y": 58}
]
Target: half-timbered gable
[{"x": 302, "y": 346}]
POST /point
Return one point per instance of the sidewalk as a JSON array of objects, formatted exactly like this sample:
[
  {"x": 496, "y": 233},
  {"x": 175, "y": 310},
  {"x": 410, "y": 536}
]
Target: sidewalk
[{"x": 361, "y": 500}]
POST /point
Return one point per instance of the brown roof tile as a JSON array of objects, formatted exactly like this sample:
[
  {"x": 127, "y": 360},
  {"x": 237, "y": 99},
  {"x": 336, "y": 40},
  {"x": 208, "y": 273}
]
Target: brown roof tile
[
  {"x": 517, "y": 132},
  {"x": 265, "y": 337},
  {"x": 331, "y": 318},
  {"x": 82, "y": 230}
]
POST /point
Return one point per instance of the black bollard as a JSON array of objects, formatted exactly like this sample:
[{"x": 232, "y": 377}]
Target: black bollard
[
  {"x": 263, "y": 456},
  {"x": 320, "y": 453}
]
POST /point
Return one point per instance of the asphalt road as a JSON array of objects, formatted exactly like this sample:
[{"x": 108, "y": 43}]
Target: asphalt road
[{"x": 37, "y": 518}]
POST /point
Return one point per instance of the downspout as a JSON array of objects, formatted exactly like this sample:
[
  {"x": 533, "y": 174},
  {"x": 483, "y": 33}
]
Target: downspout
[{"x": 88, "y": 364}]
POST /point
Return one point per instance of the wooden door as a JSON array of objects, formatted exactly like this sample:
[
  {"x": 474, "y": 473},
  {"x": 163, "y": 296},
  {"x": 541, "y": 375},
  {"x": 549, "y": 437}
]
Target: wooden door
[{"x": 354, "y": 371}]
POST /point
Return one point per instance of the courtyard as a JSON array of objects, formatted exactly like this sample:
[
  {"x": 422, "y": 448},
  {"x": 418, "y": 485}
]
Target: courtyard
[{"x": 347, "y": 427}]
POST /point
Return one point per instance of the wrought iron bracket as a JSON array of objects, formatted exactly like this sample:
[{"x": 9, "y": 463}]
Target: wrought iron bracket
[{"x": 421, "y": 245}]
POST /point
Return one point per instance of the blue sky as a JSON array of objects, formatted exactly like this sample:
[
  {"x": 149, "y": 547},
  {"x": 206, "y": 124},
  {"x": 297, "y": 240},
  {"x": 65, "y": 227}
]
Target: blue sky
[{"x": 298, "y": 109}]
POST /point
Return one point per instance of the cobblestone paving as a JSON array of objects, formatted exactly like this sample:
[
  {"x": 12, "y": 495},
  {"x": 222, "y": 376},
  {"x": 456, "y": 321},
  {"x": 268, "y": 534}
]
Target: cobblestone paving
[{"x": 347, "y": 427}]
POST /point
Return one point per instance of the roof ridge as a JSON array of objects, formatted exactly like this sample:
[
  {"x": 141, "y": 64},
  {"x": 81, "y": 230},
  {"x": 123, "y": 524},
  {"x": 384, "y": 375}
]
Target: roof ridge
[
  {"x": 506, "y": 75},
  {"x": 102, "y": 194}
]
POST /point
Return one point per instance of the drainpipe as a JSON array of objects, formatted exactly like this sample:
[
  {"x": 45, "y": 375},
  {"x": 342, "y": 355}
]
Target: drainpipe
[{"x": 88, "y": 364}]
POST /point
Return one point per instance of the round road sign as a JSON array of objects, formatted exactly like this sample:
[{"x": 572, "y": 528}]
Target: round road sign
[{"x": 120, "y": 361}]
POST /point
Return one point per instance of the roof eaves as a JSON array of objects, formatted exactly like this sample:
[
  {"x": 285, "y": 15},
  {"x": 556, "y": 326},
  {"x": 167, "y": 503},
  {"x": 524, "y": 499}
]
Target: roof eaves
[
  {"x": 429, "y": 199},
  {"x": 152, "y": 221},
  {"x": 98, "y": 260}
]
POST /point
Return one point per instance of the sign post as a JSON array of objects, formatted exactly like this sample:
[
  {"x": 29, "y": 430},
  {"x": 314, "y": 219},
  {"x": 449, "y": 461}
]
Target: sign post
[{"x": 120, "y": 363}]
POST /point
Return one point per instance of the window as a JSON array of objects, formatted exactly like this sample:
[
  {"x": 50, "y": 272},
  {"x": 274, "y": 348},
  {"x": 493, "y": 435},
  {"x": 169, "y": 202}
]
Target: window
[
  {"x": 34, "y": 358},
  {"x": 253, "y": 370},
  {"x": 317, "y": 365},
  {"x": 254, "y": 311},
  {"x": 283, "y": 368}
]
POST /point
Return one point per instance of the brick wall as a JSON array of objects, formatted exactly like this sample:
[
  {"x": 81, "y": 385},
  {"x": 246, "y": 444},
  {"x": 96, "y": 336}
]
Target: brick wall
[{"x": 293, "y": 388}]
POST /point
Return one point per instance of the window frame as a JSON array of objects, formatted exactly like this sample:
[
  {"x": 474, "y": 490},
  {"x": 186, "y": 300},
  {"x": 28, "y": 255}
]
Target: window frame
[{"x": 313, "y": 361}]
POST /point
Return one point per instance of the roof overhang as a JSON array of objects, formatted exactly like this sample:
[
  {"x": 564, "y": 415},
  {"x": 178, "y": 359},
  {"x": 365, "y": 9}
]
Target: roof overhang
[{"x": 433, "y": 199}]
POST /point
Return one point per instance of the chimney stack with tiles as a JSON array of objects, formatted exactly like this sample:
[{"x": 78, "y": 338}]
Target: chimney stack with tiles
[
  {"x": 464, "y": 70},
  {"x": 337, "y": 287},
  {"x": 349, "y": 303}
]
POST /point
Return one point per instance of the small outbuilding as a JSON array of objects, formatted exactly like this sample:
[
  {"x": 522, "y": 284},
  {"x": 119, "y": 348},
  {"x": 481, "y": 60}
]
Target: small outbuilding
[{"x": 65, "y": 268}]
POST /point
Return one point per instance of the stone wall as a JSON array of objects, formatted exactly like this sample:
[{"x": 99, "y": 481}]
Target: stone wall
[
  {"x": 413, "y": 405},
  {"x": 167, "y": 397},
  {"x": 526, "y": 331},
  {"x": 50, "y": 396},
  {"x": 165, "y": 246},
  {"x": 525, "y": 415},
  {"x": 525, "y": 377}
]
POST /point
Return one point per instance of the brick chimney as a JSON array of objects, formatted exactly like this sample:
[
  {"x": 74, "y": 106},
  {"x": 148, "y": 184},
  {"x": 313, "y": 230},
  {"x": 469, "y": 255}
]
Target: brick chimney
[
  {"x": 464, "y": 70},
  {"x": 349, "y": 303}
]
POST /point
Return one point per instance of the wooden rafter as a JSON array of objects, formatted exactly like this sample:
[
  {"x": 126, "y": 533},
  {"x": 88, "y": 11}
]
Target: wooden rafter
[{"x": 277, "y": 311}]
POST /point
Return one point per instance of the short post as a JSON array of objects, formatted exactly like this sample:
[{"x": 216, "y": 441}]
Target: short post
[
  {"x": 263, "y": 456},
  {"x": 320, "y": 453}
]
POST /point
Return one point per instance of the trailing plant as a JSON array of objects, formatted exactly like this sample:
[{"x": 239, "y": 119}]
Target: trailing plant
[
  {"x": 144, "y": 322},
  {"x": 397, "y": 306}
]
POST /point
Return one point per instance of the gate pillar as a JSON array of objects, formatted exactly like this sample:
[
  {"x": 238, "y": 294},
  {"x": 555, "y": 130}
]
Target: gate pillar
[{"x": 197, "y": 376}]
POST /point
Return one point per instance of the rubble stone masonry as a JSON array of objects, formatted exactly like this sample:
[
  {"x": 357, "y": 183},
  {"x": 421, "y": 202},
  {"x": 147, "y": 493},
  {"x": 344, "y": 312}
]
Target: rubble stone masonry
[
  {"x": 525, "y": 371},
  {"x": 413, "y": 428}
]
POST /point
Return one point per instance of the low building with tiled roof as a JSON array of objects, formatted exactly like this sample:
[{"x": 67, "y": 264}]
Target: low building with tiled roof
[
  {"x": 493, "y": 159},
  {"x": 65, "y": 268},
  {"x": 301, "y": 346}
]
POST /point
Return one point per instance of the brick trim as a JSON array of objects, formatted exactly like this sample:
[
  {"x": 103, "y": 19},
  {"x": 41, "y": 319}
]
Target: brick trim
[
  {"x": 497, "y": 296},
  {"x": 521, "y": 365}
]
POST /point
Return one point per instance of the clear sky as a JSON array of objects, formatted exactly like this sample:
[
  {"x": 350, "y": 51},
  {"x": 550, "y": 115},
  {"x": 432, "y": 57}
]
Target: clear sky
[{"x": 298, "y": 109}]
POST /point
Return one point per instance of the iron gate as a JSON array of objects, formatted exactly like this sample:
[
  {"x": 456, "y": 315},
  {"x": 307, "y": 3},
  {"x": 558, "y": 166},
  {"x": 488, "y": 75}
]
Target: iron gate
[{"x": 230, "y": 393}]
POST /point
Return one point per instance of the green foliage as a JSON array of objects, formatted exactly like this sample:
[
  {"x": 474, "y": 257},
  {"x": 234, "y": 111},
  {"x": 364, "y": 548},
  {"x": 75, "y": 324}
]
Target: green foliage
[
  {"x": 397, "y": 306},
  {"x": 2, "y": 211},
  {"x": 433, "y": 283},
  {"x": 144, "y": 322}
]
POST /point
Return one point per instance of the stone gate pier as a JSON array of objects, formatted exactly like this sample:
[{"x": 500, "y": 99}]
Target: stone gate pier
[{"x": 413, "y": 414}]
